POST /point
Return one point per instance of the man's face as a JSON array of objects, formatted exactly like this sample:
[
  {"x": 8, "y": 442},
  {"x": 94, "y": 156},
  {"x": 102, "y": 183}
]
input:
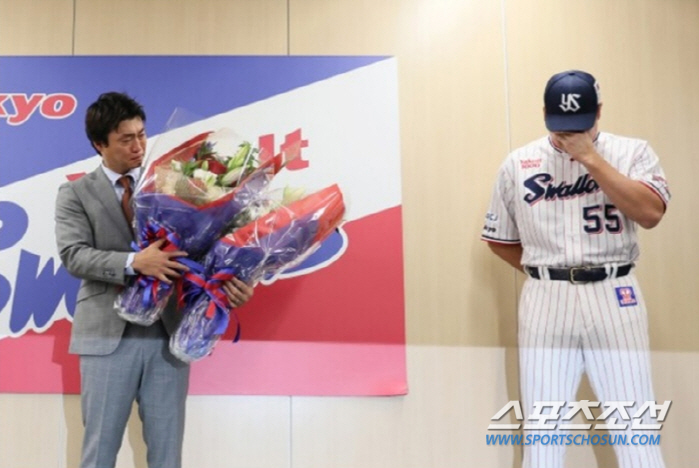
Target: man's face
[{"x": 125, "y": 146}]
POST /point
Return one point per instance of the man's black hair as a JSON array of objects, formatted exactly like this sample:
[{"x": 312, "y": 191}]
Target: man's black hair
[{"x": 107, "y": 112}]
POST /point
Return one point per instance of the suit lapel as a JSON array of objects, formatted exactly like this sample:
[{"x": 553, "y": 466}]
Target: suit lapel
[{"x": 102, "y": 190}]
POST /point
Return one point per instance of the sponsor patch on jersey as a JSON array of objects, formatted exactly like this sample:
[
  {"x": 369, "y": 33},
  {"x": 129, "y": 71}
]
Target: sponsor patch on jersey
[
  {"x": 626, "y": 296},
  {"x": 530, "y": 163},
  {"x": 490, "y": 216}
]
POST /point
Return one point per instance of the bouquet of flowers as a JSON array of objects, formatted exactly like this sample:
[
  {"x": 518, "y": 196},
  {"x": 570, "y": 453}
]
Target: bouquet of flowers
[
  {"x": 190, "y": 196},
  {"x": 261, "y": 248}
]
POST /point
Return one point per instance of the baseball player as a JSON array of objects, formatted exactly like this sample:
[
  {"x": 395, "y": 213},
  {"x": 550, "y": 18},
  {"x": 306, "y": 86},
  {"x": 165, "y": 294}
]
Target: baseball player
[{"x": 565, "y": 210}]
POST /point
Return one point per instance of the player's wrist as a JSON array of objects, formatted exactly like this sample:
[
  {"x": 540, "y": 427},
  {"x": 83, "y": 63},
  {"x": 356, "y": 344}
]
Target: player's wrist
[{"x": 591, "y": 160}]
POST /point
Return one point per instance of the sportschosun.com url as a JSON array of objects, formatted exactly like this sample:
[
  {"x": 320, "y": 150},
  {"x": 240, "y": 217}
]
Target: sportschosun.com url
[{"x": 570, "y": 439}]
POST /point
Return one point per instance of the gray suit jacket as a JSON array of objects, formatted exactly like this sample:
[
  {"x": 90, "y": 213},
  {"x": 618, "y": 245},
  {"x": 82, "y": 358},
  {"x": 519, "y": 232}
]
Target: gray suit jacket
[{"x": 94, "y": 241}]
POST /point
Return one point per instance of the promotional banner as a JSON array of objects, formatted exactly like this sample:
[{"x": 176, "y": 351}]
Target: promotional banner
[{"x": 332, "y": 325}]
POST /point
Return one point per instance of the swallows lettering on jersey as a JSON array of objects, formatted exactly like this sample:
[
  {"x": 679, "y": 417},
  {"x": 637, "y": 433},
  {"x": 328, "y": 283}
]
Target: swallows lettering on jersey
[{"x": 542, "y": 187}]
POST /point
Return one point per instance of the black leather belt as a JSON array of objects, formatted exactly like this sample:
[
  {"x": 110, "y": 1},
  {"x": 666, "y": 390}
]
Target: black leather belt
[{"x": 580, "y": 274}]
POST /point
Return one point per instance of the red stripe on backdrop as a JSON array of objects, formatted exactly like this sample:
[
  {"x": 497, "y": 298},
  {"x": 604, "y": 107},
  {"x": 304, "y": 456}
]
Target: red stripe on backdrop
[
  {"x": 359, "y": 298},
  {"x": 301, "y": 368},
  {"x": 337, "y": 331},
  {"x": 39, "y": 362}
]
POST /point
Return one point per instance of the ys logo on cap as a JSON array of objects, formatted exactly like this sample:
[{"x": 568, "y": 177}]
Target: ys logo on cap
[{"x": 569, "y": 102}]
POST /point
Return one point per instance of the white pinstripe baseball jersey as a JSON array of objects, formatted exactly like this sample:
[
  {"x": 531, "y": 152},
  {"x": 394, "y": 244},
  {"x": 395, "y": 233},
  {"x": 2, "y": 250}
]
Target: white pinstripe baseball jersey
[{"x": 551, "y": 205}]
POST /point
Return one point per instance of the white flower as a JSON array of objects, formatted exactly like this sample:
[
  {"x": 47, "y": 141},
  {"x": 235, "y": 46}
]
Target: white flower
[
  {"x": 176, "y": 165},
  {"x": 225, "y": 142},
  {"x": 209, "y": 178},
  {"x": 231, "y": 177}
]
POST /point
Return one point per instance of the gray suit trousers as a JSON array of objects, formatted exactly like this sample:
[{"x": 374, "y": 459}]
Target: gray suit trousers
[{"x": 141, "y": 369}]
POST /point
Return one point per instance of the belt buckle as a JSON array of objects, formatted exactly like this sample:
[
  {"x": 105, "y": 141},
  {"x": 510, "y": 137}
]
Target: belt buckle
[{"x": 571, "y": 276}]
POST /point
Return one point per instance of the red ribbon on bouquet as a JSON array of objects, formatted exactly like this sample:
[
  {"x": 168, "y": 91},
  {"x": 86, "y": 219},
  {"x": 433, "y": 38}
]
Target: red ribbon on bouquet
[
  {"x": 213, "y": 286},
  {"x": 152, "y": 232}
]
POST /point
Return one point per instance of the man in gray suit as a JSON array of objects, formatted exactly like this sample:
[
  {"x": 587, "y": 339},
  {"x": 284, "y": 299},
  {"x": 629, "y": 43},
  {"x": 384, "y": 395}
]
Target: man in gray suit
[{"x": 121, "y": 362}]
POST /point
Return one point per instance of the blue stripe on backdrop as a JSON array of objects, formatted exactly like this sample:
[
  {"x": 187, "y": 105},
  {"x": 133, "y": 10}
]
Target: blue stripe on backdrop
[{"x": 203, "y": 85}]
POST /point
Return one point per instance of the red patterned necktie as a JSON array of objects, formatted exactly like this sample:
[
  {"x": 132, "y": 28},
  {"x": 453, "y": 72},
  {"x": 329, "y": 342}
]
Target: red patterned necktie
[{"x": 125, "y": 181}]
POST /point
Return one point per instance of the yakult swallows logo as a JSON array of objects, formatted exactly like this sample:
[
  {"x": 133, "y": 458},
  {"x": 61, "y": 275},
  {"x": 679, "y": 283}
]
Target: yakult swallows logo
[
  {"x": 542, "y": 187},
  {"x": 17, "y": 108},
  {"x": 569, "y": 102}
]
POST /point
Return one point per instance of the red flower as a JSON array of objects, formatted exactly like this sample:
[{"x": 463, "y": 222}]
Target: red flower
[{"x": 217, "y": 167}]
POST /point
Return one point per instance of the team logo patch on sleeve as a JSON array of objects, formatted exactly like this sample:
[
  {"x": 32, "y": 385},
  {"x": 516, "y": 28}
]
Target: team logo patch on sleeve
[{"x": 626, "y": 296}]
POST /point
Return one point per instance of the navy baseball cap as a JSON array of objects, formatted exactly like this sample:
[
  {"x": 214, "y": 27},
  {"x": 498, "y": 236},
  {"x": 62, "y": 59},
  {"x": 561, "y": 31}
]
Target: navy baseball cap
[{"x": 571, "y": 99}]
